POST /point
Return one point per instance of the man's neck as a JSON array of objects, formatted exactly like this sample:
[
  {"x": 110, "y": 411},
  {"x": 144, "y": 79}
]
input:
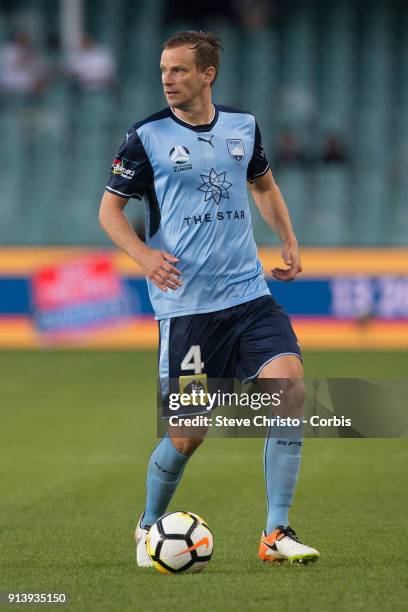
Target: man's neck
[{"x": 198, "y": 114}]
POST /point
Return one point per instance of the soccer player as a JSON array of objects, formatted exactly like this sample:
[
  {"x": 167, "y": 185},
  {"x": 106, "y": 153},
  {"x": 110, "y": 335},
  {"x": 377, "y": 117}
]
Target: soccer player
[{"x": 191, "y": 162}]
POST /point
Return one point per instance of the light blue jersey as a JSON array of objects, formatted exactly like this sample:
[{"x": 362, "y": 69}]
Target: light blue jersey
[{"x": 193, "y": 179}]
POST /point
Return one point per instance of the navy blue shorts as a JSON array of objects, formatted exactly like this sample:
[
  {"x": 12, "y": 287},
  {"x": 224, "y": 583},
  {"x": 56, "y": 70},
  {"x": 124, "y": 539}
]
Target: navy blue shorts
[{"x": 232, "y": 343}]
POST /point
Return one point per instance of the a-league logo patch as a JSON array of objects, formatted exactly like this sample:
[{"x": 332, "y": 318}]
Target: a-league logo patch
[
  {"x": 236, "y": 148},
  {"x": 179, "y": 154},
  {"x": 195, "y": 386}
]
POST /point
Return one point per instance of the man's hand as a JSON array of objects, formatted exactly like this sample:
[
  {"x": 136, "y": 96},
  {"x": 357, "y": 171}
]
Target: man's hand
[
  {"x": 157, "y": 266},
  {"x": 272, "y": 207},
  {"x": 291, "y": 257}
]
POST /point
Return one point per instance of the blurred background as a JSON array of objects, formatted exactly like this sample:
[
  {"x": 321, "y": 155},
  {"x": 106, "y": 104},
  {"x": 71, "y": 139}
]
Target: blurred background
[{"x": 328, "y": 83}]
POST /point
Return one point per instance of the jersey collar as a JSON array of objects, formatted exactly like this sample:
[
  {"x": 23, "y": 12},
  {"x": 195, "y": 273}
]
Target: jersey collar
[{"x": 207, "y": 127}]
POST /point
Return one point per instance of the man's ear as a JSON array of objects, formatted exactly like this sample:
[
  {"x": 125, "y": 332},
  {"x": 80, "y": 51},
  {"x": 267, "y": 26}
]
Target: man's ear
[{"x": 210, "y": 73}]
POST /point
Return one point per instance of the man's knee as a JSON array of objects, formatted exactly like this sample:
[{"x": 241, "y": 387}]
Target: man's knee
[
  {"x": 285, "y": 376},
  {"x": 186, "y": 439},
  {"x": 187, "y": 446},
  {"x": 293, "y": 396}
]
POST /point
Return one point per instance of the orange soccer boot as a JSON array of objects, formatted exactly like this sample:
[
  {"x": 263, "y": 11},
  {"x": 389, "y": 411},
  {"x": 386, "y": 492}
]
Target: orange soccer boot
[{"x": 283, "y": 545}]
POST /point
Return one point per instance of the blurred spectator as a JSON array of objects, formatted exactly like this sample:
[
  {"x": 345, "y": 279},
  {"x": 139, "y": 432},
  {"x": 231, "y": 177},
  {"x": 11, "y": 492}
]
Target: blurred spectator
[
  {"x": 23, "y": 69},
  {"x": 334, "y": 150},
  {"x": 290, "y": 152},
  {"x": 92, "y": 66},
  {"x": 255, "y": 14}
]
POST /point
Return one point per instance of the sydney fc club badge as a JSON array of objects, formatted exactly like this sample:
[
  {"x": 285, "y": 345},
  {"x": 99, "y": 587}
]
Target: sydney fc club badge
[{"x": 236, "y": 148}]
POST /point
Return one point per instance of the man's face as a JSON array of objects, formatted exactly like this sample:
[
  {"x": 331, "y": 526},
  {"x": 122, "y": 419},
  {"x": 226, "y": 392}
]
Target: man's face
[{"x": 182, "y": 82}]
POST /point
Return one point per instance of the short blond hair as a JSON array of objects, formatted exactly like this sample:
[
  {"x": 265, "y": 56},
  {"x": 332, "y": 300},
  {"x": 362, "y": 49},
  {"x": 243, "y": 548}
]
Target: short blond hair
[{"x": 206, "y": 46}]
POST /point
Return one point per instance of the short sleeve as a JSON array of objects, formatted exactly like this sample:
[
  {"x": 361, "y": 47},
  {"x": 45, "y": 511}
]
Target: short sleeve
[
  {"x": 258, "y": 164},
  {"x": 131, "y": 171}
]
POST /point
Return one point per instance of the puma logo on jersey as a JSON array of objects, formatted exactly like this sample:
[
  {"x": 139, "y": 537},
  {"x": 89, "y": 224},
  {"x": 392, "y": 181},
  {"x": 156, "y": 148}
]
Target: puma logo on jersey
[{"x": 209, "y": 141}]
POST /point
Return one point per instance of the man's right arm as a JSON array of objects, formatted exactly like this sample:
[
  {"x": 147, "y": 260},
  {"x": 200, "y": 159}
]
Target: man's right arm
[{"x": 157, "y": 265}]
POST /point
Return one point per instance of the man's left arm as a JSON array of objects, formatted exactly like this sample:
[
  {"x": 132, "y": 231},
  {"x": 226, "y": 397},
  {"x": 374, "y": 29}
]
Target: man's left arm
[{"x": 272, "y": 207}]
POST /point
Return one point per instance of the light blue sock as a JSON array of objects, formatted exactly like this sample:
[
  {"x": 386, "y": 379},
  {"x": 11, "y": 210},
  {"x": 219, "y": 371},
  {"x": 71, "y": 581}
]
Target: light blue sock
[
  {"x": 281, "y": 466},
  {"x": 163, "y": 475}
]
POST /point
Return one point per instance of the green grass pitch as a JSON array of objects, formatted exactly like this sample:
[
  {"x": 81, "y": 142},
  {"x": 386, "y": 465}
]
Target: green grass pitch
[{"x": 76, "y": 432}]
